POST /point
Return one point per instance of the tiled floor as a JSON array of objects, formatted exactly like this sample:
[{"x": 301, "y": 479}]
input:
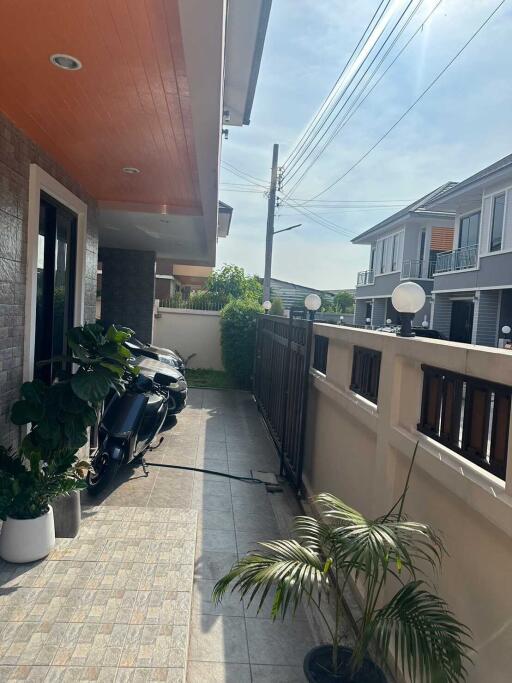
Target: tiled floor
[
  {"x": 112, "y": 604},
  {"x": 230, "y": 643},
  {"x": 222, "y": 431}
]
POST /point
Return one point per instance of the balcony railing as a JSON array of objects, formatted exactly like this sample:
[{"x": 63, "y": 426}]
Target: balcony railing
[
  {"x": 416, "y": 270},
  {"x": 458, "y": 259},
  {"x": 365, "y": 277}
]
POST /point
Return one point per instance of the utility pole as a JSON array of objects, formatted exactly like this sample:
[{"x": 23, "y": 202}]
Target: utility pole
[{"x": 270, "y": 225}]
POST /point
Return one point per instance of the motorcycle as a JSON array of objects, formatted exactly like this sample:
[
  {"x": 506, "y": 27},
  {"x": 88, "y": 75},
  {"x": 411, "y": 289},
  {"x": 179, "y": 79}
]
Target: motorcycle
[{"x": 129, "y": 425}]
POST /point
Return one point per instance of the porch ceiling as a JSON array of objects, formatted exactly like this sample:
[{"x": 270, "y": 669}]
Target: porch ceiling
[{"x": 129, "y": 105}]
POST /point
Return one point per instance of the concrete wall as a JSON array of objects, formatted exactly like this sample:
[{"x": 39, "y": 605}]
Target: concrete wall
[
  {"x": 128, "y": 289},
  {"x": 190, "y": 332},
  {"x": 17, "y": 152},
  {"x": 361, "y": 453}
]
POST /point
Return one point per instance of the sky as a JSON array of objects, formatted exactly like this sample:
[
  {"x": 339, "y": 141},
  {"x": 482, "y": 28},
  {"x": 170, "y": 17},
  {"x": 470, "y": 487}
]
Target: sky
[{"x": 463, "y": 124}]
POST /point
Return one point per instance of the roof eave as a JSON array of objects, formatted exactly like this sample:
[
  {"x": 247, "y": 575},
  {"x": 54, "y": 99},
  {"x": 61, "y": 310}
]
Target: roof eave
[{"x": 256, "y": 62}]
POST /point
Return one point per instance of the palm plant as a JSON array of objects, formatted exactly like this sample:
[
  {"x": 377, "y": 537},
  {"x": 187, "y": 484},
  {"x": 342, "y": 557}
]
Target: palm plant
[{"x": 429, "y": 644}]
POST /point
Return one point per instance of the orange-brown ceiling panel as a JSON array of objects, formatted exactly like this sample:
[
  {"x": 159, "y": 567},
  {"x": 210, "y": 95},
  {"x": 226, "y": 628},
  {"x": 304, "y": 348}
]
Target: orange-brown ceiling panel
[{"x": 128, "y": 106}]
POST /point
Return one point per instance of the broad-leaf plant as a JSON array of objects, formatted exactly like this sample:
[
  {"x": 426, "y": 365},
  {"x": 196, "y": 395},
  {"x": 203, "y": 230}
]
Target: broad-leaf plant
[
  {"x": 47, "y": 463},
  {"x": 385, "y": 554}
]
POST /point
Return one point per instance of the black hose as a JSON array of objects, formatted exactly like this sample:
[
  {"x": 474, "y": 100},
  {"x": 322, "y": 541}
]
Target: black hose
[{"x": 247, "y": 480}]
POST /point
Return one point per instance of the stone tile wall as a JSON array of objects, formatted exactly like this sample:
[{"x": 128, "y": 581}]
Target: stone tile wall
[{"x": 17, "y": 152}]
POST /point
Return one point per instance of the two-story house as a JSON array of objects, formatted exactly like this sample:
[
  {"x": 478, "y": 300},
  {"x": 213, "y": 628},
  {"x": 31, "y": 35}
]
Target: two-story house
[
  {"x": 473, "y": 279},
  {"x": 402, "y": 247}
]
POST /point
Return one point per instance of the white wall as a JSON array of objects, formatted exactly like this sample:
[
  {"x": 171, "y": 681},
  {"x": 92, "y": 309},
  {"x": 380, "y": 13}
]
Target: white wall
[{"x": 190, "y": 332}]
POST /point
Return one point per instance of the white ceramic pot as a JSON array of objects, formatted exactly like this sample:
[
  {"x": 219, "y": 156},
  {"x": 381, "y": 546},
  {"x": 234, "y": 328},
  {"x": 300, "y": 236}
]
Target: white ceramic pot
[{"x": 27, "y": 540}]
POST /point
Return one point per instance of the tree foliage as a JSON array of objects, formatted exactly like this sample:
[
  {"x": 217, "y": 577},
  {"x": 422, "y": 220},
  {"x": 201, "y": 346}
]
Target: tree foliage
[
  {"x": 238, "y": 337},
  {"x": 277, "y": 307},
  {"x": 232, "y": 282},
  {"x": 59, "y": 414}
]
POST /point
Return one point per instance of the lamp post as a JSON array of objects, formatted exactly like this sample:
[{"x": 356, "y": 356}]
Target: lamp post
[
  {"x": 312, "y": 303},
  {"x": 368, "y": 322},
  {"x": 341, "y": 320},
  {"x": 408, "y": 298},
  {"x": 267, "y": 305},
  {"x": 506, "y": 330}
]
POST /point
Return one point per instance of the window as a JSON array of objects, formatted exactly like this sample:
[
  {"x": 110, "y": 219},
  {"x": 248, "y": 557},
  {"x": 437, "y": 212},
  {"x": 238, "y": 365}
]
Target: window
[
  {"x": 498, "y": 212},
  {"x": 423, "y": 235},
  {"x": 372, "y": 258},
  {"x": 394, "y": 253},
  {"x": 389, "y": 252},
  {"x": 56, "y": 267},
  {"x": 469, "y": 228}
]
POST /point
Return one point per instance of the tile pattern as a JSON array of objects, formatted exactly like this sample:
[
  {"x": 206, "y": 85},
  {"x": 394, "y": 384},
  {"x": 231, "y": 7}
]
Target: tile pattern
[
  {"x": 221, "y": 431},
  {"x": 112, "y": 604}
]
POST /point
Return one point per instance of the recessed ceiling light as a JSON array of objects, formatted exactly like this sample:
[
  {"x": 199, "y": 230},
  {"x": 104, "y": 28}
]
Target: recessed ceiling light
[
  {"x": 66, "y": 62},
  {"x": 131, "y": 170}
]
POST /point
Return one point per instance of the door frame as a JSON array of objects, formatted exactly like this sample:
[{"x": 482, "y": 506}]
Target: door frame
[{"x": 41, "y": 181}]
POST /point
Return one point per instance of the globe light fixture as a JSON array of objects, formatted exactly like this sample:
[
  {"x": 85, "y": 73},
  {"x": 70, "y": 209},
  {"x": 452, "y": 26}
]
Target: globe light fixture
[
  {"x": 388, "y": 321},
  {"x": 341, "y": 319},
  {"x": 424, "y": 324},
  {"x": 506, "y": 329},
  {"x": 312, "y": 303},
  {"x": 267, "y": 305},
  {"x": 408, "y": 298}
]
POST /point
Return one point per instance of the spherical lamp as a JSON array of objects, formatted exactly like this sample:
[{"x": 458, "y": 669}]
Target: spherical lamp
[
  {"x": 267, "y": 305},
  {"x": 506, "y": 329},
  {"x": 388, "y": 321},
  {"x": 312, "y": 303},
  {"x": 408, "y": 298}
]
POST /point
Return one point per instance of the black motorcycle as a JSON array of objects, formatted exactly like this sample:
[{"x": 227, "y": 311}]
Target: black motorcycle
[{"x": 129, "y": 425}]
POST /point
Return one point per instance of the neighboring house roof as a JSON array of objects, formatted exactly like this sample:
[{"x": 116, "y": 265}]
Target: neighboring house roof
[
  {"x": 417, "y": 208},
  {"x": 292, "y": 294},
  {"x": 490, "y": 174},
  {"x": 225, "y": 216}
]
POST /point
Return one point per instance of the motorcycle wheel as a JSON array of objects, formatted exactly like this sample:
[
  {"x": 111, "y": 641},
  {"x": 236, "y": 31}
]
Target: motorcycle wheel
[{"x": 103, "y": 471}]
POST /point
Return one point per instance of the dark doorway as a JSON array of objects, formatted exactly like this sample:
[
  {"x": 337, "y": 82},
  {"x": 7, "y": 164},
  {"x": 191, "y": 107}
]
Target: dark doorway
[
  {"x": 461, "y": 327},
  {"x": 56, "y": 269}
]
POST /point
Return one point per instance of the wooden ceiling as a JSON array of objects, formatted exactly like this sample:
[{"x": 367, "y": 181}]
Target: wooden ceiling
[{"x": 128, "y": 106}]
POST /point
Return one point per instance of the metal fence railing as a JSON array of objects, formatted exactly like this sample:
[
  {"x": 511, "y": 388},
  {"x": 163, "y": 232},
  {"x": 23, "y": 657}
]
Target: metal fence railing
[
  {"x": 200, "y": 301},
  {"x": 458, "y": 259},
  {"x": 416, "y": 269},
  {"x": 281, "y": 371},
  {"x": 365, "y": 277}
]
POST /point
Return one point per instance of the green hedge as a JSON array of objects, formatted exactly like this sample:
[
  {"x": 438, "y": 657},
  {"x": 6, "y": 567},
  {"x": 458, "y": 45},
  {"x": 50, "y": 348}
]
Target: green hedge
[{"x": 238, "y": 337}]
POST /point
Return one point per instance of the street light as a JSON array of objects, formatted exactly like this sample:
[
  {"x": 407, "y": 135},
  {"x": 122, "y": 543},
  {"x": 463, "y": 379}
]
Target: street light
[
  {"x": 408, "y": 298},
  {"x": 292, "y": 227},
  {"x": 312, "y": 302},
  {"x": 267, "y": 305}
]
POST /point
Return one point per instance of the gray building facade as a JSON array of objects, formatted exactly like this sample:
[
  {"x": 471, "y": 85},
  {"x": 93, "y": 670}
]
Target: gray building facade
[
  {"x": 403, "y": 247},
  {"x": 472, "y": 293}
]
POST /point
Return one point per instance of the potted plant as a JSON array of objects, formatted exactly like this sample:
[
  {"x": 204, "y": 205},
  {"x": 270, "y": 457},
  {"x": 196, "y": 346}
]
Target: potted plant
[
  {"x": 430, "y": 645},
  {"x": 47, "y": 463}
]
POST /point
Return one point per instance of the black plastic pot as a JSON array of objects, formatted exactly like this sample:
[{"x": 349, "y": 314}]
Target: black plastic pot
[{"x": 318, "y": 666}]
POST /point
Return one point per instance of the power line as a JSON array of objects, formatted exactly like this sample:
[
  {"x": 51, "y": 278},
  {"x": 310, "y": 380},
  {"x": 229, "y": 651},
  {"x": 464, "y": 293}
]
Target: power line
[
  {"x": 360, "y": 94},
  {"x": 238, "y": 172},
  {"x": 323, "y": 222},
  {"x": 311, "y": 147},
  {"x": 321, "y": 111},
  {"x": 418, "y": 99},
  {"x": 359, "y": 102}
]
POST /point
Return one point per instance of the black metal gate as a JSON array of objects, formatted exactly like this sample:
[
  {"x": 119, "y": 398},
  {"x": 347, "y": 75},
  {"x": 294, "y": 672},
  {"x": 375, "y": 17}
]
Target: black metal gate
[{"x": 281, "y": 368}]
